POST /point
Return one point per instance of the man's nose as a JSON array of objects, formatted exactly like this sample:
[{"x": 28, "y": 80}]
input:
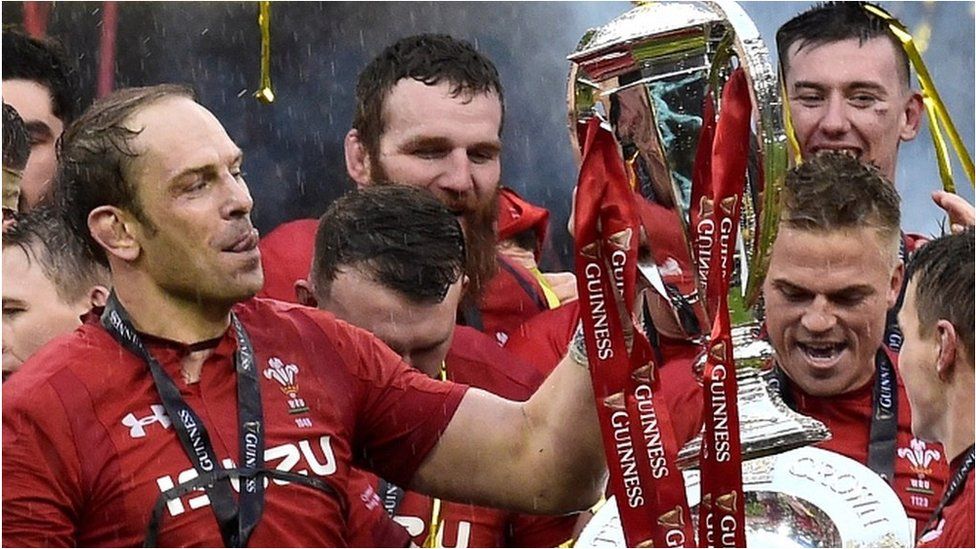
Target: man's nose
[
  {"x": 458, "y": 178},
  {"x": 835, "y": 120},
  {"x": 819, "y": 316},
  {"x": 239, "y": 202}
]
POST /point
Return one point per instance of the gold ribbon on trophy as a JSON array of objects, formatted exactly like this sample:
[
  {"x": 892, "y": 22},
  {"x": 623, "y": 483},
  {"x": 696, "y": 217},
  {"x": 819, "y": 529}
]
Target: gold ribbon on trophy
[
  {"x": 264, "y": 93},
  {"x": 939, "y": 119}
]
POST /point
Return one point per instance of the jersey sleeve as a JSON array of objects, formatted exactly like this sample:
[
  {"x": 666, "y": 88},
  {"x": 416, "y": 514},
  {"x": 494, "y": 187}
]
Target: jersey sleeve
[
  {"x": 400, "y": 413},
  {"x": 42, "y": 492}
]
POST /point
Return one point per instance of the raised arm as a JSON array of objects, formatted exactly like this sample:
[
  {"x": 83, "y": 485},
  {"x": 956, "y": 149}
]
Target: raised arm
[{"x": 540, "y": 456}]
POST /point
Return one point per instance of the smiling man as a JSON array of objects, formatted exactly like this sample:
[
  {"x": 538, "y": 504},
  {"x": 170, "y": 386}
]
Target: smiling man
[
  {"x": 185, "y": 383},
  {"x": 429, "y": 113},
  {"x": 834, "y": 272},
  {"x": 847, "y": 81}
]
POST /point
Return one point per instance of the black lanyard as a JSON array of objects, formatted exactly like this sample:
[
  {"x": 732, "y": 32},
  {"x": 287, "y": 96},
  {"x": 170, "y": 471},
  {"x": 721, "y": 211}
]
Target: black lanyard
[
  {"x": 236, "y": 520},
  {"x": 391, "y": 495},
  {"x": 884, "y": 414},
  {"x": 956, "y": 483},
  {"x": 893, "y": 337}
]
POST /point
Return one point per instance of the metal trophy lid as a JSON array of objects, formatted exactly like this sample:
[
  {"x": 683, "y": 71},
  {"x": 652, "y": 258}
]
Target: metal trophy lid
[{"x": 806, "y": 497}]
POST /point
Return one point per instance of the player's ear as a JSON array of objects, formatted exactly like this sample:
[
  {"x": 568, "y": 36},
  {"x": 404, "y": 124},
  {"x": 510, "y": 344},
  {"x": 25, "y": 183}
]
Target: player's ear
[
  {"x": 948, "y": 347},
  {"x": 357, "y": 159},
  {"x": 913, "y": 117},
  {"x": 98, "y": 295},
  {"x": 304, "y": 293},
  {"x": 116, "y": 232},
  {"x": 894, "y": 289}
]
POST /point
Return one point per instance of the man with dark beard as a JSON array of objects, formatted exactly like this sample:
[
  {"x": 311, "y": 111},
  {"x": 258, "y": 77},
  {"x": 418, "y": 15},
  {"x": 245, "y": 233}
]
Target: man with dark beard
[{"x": 429, "y": 112}]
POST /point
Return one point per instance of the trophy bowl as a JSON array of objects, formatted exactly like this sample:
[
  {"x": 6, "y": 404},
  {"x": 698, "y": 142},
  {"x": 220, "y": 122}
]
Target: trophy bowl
[
  {"x": 656, "y": 76},
  {"x": 806, "y": 497}
]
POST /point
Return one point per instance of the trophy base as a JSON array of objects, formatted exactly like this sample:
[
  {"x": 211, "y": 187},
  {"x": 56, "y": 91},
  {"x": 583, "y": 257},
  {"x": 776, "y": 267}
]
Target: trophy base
[
  {"x": 767, "y": 425},
  {"x": 807, "y": 497}
]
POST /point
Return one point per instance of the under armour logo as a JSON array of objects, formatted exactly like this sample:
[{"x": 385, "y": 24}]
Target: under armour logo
[{"x": 137, "y": 425}]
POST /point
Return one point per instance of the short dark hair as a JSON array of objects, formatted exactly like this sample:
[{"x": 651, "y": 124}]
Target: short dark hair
[
  {"x": 831, "y": 22},
  {"x": 944, "y": 271},
  {"x": 95, "y": 154},
  {"x": 400, "y": 236},
  {"x": 427, "y": 58},
  {"x": 834, "y": 191},
  {"x": 16, "y": 144},
  {"x": 44, "y": 236},
  {"x": 43, "y": 60}
]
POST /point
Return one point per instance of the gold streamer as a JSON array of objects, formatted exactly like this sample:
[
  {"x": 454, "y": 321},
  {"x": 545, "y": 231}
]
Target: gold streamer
[
  {"x": 938, "y": 115},
  {"x": 435, "y": 512},
  {"x": 791, "y": 138},
  {"x": 265, "y": 93},
  {"x": 551, "y": 298},
  {"x": 435, "y": 524}
]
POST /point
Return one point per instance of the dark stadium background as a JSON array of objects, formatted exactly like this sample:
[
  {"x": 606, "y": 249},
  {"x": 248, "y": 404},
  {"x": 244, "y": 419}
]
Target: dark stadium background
[{"x": 293, "y": 147}]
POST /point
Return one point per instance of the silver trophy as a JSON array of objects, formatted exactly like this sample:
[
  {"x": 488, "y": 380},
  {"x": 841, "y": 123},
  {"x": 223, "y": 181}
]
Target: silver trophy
[{"x": 648, "y": 73}]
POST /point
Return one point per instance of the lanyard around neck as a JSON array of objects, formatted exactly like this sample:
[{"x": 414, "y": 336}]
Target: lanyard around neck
[
  {"x": 236, "y": 519},
  {"x": 954, "y": 487}
]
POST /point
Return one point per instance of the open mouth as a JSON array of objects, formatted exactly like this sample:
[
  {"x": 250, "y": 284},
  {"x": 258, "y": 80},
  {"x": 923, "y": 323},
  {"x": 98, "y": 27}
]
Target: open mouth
[
  {"x": 853, "y": 152},
  {"x": 821, "y": 353}
]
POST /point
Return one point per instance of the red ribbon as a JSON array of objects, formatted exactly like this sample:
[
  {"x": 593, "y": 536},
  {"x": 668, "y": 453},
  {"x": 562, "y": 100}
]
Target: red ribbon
[
  {"x": 701, "y": 225},
  {"x": 722, "y": 513},
  {"x": 637, "y": 437}
]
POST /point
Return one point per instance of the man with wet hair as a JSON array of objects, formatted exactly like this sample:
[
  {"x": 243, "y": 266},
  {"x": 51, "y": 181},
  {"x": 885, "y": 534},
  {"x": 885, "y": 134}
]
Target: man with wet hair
[
  {"x": 833, "y": 273},
  {"x": 49, "y": 282},
  {"x": 16, "y": 150},
  {"x": 429, "y": 113},
  {"x": 937, "y": 364},
  {"x": 848, "y": 84},
  {"x": 40, "y": 82},
  {"x": 185, "y": 382},
  {"x": 390, "y": 259}
]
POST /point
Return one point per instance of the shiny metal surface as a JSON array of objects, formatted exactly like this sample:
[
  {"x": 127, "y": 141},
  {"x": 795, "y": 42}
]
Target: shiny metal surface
[
  {"x": 766, "y": 425},
  {"x": 651, "y": 75},
  {"x": 803, "y": 498},
  {"x": 647, "y": 73}
]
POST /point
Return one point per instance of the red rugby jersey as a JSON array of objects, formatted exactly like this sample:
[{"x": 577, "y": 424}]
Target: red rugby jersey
[
  {"x": 87, "y": 449},
  {"x": 955, "y": 527},
  {"x": 921, "y": 471}
]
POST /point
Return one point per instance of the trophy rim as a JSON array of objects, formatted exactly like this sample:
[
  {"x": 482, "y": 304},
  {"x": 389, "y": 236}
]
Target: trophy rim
[{"x": 795, "y": 474}]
